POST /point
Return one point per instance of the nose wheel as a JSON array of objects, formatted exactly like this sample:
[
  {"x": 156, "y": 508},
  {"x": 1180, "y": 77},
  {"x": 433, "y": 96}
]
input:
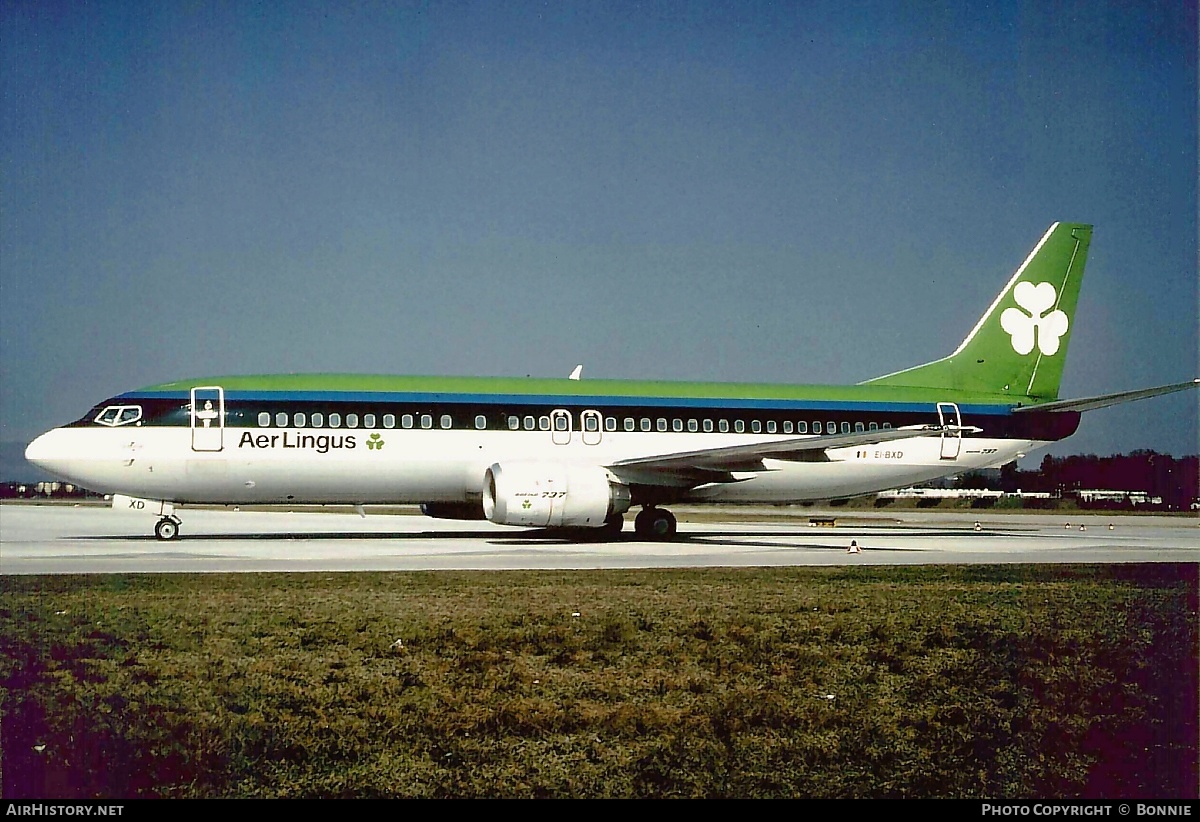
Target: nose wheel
[
  {"x": 656, "y": 524},
  {"x": 167, "y": 528}
]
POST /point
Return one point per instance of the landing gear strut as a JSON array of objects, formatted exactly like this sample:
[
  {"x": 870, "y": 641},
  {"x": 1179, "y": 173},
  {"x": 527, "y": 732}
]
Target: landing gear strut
[
  {"x": 655, "y": 524},
  {"x": 167, "y": 528},
  {"x": 612, "y": 526}
]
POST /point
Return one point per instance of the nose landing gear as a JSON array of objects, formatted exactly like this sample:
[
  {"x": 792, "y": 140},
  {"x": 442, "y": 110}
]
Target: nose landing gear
[{"x": 167, "y": 528}]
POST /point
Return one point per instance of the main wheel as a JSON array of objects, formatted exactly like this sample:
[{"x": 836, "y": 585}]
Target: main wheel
[
  {"x": 655, "y": 524},
  {"x": 166, "y": 529}
]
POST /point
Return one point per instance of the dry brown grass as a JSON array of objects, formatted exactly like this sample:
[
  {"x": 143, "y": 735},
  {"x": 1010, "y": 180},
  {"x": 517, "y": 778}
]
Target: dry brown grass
[{"x": 969, "y": 681}]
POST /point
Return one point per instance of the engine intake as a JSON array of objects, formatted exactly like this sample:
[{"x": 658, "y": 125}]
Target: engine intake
[{"x": 552, "y": 495}]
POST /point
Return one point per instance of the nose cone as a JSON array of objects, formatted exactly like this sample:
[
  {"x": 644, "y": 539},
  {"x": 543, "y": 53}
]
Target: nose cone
[
  {"x": 48, "y": 452},
  {"x": 39, "y": 450}
]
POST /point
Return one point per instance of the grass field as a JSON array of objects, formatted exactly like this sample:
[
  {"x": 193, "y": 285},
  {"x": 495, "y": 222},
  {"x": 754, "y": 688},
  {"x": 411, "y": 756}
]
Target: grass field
[{"x": 965, "y": 681}]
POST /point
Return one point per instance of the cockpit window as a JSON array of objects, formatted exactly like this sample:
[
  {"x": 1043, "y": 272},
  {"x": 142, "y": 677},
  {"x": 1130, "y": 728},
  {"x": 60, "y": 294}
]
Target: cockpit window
[{"x": 115, "y": 415}]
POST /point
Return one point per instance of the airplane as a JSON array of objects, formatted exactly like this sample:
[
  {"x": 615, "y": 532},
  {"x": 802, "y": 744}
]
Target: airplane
[{"x": 579, "y": 454}]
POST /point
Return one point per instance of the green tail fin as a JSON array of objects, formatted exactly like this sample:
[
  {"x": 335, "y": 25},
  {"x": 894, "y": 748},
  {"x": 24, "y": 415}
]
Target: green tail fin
[{"x": 1019, "y": 345}]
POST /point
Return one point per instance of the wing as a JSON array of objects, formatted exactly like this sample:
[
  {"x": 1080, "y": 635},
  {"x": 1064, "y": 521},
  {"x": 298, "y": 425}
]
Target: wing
[{"x": 688, "y": 468}]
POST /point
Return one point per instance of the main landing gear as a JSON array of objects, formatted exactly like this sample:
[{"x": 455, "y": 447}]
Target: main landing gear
[
  {"x": 167, "y": 528},
  {"x": 655, "y": 524}
]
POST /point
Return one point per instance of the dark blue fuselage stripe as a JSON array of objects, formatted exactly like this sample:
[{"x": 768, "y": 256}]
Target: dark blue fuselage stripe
[{"x": 572, "y": 400}]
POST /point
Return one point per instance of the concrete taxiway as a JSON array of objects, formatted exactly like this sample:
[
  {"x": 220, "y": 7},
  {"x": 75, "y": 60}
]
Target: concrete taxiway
[{"x": 64, "y": 539}]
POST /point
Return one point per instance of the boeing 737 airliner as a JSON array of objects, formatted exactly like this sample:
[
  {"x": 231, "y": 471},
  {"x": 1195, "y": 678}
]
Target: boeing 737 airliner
[{"x": 580, "y": 453}]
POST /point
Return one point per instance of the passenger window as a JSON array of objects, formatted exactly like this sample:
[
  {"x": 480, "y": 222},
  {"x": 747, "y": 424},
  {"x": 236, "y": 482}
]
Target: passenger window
[
  {"x": 816, "y": 427},
  {"x": 887, "y": 425},
  {"x": 335, "y": 420},
  {"x": 630, "y": 424},
  {"x": 446, "y": 421},
  {"x": 560, "y": 423},
  {"x": 645, "y": 423},
  {"x": 770, "y": 426},
  {"x": 724, "y": 426},
  {"x": 389, "y": 420},
  {"x": 281, "y": 419},
  {"x": 264, "y": 419},
  {"x": 514, "y": 423},
  {"x": 406, "y": 421},
  {"x": 352, "y": 420},
  {"x": 529, "y": 423},
  {"x": 873, "y": 426},
  {"x": 858, "y": 426},
  {"x": 739, "y": 426},
  {"x": 544, "y": 423},
  {"x": 756, "y": 426},
  {"x": 480, "y": 422},
  {"x": 661, "y": 425},
  {"x": 591, "y": 424},
  {"x": 427, "y": 421},
  {"x": 708, "y": 426},
  {"x": 368, "y": 420},
  {"x": 693, "y": 426},
  {"x": 318, "y": 419},
  {"x": 676, "y": 425},
  {"x": 298, "y": 419},
  {"x": 802, "y": 427},
  {"x": 787, "y": 426},
  {"x": 845, "y": 427},
  {"x": 610, "y": 423}
]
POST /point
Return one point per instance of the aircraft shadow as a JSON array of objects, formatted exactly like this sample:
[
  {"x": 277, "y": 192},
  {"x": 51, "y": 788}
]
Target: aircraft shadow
[
  {"x": 781, "y": 540},
  {"x": 297, "y": 536}
]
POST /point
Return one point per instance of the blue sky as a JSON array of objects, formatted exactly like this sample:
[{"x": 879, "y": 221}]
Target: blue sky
[{"x": 782, "y": 192}]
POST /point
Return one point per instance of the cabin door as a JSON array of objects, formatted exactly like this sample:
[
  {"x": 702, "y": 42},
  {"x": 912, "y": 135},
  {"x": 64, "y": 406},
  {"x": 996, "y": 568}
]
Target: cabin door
[
  {"x": 951, "y": 440},
  {"x": 591, "y": 425},
  {"x": 208, "y": 418},
  {"x": 560, "y": 426}
]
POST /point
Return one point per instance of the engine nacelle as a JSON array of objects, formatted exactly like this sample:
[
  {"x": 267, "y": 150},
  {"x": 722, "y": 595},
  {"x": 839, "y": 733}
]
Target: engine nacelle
[{"x": 552, "y": 495}]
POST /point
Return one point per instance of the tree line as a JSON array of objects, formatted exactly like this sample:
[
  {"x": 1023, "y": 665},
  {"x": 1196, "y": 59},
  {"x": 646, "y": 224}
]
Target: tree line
[{"x": 1175, "y": 479}]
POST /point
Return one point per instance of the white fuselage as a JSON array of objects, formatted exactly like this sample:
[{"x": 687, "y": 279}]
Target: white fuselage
[{"x": 378, "y": 466}]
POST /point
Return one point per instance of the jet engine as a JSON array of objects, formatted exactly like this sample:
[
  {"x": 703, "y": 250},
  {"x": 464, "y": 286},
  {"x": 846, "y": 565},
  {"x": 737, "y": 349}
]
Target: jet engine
[{"x": 552, "y": 495}]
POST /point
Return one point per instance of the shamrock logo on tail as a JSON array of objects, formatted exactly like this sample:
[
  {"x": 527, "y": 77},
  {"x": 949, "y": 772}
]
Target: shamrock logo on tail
[
  {"x": 375, "y": 442},
  {"x": 1028, "y": 328}
]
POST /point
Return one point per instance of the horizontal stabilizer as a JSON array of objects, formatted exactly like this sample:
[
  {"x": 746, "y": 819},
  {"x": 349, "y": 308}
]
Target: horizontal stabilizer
[{"x": 1105, "y": 400}]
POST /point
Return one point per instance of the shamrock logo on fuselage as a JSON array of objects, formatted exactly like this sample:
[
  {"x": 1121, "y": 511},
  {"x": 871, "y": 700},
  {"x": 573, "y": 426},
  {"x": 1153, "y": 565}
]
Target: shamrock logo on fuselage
[
  {"x": 1026, "y": 329},
  {"x": 375, "y": 442}
]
